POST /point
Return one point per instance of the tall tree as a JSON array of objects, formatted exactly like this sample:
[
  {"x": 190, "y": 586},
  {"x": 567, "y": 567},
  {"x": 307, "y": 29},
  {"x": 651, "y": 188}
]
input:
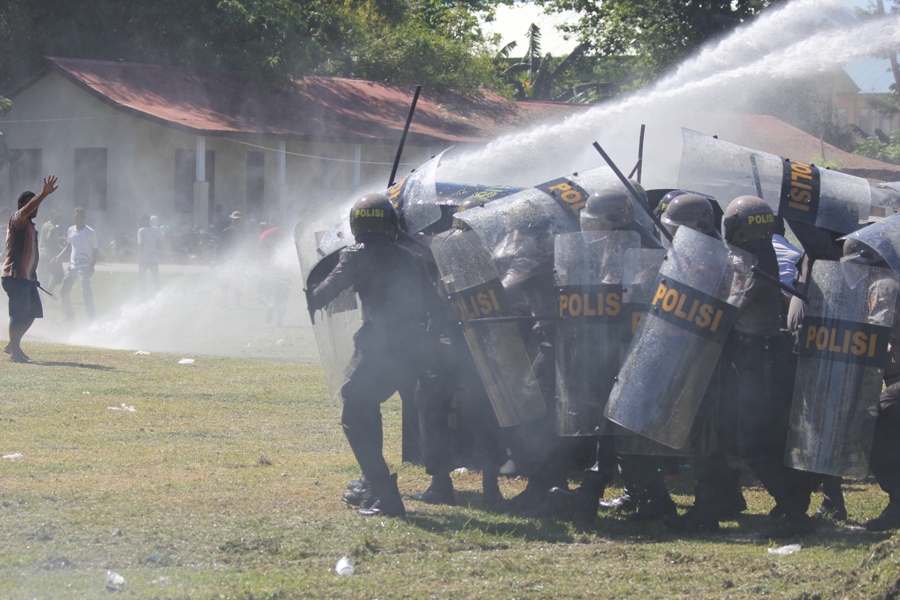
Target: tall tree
[{"x": 657, "y": 33}]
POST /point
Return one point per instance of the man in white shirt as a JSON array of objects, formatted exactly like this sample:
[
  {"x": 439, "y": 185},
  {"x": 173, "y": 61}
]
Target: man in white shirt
[
  {"x": 148, "y": 253},
  {"x": 82, "y": 246}
]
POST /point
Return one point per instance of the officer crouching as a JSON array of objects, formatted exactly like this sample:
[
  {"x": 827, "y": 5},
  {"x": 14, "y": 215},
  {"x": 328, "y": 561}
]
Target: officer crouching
[{"x": 392, "y": 347}]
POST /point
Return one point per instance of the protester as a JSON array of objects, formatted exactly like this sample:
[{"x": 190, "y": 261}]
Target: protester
[
  {"x": 82, "y": 247},
  {"x": 148, "y": 254},
  {"x": 49, "y": 271},
  {"x": 20, "y": 269}
]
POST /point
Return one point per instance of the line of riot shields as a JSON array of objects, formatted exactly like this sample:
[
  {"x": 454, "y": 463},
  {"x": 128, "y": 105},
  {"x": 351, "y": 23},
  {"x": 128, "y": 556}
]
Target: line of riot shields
[{"x": 638, "y": 330}]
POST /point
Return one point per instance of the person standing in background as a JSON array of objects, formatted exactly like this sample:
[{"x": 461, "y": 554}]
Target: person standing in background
[
  {"x": 50, "y": 246},
  {"x": 82, "y": 246},
  {"x": 148, "y": 254}
]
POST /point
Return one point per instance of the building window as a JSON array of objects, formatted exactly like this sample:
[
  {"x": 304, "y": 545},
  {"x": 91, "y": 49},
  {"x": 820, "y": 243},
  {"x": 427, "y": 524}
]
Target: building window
[
  {"x": 256, "y": 181},
  {"x": 24, "y": 172},
  {"x": 89, "y": 187},
  {"x": 186, "y": 175}
]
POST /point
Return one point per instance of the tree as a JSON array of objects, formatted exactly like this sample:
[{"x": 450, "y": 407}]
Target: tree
[
  {"x": 881, "y": 147},
  {"x": 434, "y": 42},
  {"x": 535, "y": 77},
  {"x": 657, "y": 33}
]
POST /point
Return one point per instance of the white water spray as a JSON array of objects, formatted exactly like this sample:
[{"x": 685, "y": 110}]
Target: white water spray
[{"x": 803, "y": 39}]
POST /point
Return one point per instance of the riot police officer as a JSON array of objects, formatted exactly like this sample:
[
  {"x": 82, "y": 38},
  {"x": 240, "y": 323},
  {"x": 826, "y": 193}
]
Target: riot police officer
[
  {"x": 612, "y": 210},
  {"x": 756, "y": 405},
  {"x": 392, "y": 346},
  {"x": 884, "y": 460}
]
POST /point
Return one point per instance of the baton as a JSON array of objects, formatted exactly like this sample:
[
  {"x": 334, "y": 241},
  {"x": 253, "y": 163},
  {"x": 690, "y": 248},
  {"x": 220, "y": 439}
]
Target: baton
[
  {"x": 638, "y": 198},
  {"x": 774, "y": 280},
  {"x": 409, "y": 117},
  {"x": 43, "y": 290}
]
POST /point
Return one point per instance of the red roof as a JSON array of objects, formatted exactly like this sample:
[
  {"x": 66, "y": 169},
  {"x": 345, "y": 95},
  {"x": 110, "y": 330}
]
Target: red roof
[{"x": 314, "y": 108}]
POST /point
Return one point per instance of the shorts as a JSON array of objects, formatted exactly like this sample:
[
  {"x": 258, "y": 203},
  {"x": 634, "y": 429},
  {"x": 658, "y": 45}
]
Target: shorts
[{"x": 24, "y": 300}]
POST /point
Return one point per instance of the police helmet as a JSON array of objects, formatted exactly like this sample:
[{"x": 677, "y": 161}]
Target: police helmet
[
  {"x": 689, "y": 210},
  {"x": 666, "y": 200},
  {"x": 748, "y": 219},
  {"x": 858, "y": 252},
  {"x": 374, "y": 213},
  {"x": 607, "y": 210}
]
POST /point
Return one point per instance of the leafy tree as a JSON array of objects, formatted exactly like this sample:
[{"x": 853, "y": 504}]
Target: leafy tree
[
  {"x": 882, "y": 147},
  {"x": 433, "y": 42},
  {"x": 656, "y": 33},
  {"x": 536, "y": 77}
]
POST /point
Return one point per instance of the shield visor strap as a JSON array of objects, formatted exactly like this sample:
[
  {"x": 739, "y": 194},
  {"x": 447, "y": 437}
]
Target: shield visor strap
[
  {"x": 568, "y": 194},
  {"x": 844, "y": 341},
  {"x": 692, "y": 310},
  {"x": 800, "y": 190},
  {"x": 591, "y": 303},
  {"x": 484, "y": 300}
]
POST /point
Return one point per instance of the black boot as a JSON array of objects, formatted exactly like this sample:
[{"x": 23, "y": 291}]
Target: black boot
[
  {"x": 580, "y": 504},
  {"x": 629, "y": 501},
  {"x": 731, "y": 499},
  {"x": 439, "y": 492},
  {"x": 389, "y": 503},
  {"x": 362, "y": 497},
  {"x": 792, "y": 524},
  {"x": 702, "y": 517},
  {"x": 359, "y": 484},
  {"x": 888, "y": 520},
  {"x": 832, "y": 500},
  {"x": 657, "y": 505},
  {"x": 529, "y": 498},
  {"x": 490, "y": 489}
]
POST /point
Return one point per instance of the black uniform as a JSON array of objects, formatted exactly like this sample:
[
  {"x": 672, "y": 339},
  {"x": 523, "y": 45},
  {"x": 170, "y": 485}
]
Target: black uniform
[{"x": 391, "y": 348}]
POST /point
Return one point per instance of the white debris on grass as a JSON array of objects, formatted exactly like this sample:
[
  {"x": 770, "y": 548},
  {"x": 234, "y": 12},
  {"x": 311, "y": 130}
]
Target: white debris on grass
[
  {"x": 141, "y": 353},
  {"x": 12, "y": 456},
  {"x": 122, "y": 407},
  {"x": 114, "y": 581},
  {"x": 186, "y": 361},
  {"x": 785, "y": 550}
]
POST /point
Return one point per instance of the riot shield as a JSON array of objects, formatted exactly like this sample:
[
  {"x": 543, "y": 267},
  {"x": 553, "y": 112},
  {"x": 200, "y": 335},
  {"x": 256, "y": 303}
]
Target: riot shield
[
  {"x": 843, "y": 352},
  {"x": 794, "y": 190},
  {"x": 671, "y": 359},
  {"x": 884, "y": 238},
  {"x": 588, "y": 278},
  {"x": 415, "y": 196},
  {"x": 640, "y": 271},
  {"x": 335, "y": 325},
  {"x": 469, "y": 275}
]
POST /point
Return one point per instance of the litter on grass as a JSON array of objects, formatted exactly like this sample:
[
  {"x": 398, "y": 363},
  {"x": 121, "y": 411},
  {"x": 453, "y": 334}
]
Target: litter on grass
[
  {"x": 114, "y": 581},
  {"x": 122, "y": 407},
  {"x": 186, "y": 361},
  {"x": 12, "y": 456},
  {"x": 142, "y": 353},
  {"x": 785, "y": 550}
]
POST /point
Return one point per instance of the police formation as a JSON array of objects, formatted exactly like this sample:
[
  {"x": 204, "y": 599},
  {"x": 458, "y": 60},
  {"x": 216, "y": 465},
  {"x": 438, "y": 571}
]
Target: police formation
[{"x": 566, "y": 329}]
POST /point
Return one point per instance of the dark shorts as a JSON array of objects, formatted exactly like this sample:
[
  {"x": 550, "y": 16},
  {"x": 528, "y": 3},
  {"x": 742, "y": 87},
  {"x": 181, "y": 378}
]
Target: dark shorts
[{"x": 24, "y": 300}]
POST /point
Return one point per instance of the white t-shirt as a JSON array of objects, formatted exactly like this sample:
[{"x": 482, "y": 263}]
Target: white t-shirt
[
  {"x": 147, "y": 242},
  {"x": 83, "y": 242}
]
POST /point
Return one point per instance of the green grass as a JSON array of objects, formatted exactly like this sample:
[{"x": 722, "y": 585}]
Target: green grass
[{"x": 225, "y": 482}]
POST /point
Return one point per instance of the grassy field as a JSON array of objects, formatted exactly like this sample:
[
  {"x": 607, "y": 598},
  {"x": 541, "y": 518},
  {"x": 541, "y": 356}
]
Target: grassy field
[{"x": 222, "y": 479}]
